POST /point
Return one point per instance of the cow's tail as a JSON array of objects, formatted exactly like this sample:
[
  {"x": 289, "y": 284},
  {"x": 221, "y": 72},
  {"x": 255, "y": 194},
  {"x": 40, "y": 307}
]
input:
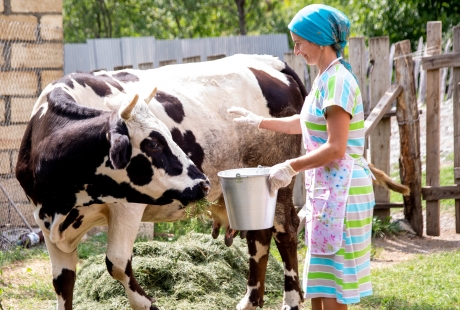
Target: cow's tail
[{"x": 383, "y": 179}]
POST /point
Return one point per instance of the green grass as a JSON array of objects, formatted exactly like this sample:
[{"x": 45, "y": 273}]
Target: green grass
[
  {"x": 20, "y": 254},
  {"x": 427, "y": 282}
]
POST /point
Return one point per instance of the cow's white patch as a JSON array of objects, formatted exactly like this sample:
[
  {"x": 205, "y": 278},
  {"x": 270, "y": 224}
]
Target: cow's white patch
[
  {"x": 261, "y": 250},
  {"x": 290, "y": 299},
  {"x": 244, "y": 303}
]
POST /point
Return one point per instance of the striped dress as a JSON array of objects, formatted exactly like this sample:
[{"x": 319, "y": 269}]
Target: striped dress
[{"x": 344, "y": 275}]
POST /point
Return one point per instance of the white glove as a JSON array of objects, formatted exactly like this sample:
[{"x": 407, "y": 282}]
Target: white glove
[
  {"x": 280, "y": 176},
  {"x": 246, "y": 117}
]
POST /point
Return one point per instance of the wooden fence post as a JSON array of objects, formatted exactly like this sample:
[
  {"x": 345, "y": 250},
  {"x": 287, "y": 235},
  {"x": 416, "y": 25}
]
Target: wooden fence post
[
  {"x": 379, "y": 49},
  {"x": 357, "y": 52},
  {"x": 456, "y": 111},
  {"x": 409, "y": 134},
  {"x": 433, "y": 112},
  {"x": 297, "y": 64}
]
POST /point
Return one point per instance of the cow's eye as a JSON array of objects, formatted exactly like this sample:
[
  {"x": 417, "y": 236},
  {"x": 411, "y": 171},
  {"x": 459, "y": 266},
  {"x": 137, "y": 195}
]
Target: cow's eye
[{"x": 153, "y": 145}]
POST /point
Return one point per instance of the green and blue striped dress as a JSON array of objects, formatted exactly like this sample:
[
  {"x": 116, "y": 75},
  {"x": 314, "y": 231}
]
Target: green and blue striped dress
[{"x": 344, "y": 275}]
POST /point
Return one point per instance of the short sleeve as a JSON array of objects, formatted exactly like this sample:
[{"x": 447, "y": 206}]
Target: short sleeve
[{"x": 338, "y": 90}]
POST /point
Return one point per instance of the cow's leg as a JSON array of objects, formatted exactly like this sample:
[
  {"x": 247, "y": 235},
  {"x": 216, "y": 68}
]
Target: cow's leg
[
  {"x": 285, "y": 235},
  {"x": 258, "y": 246},
  {"x": 124, "y": 221},
  {"x": 288, "y": 251},
  {"x": 63, "y": 266}
]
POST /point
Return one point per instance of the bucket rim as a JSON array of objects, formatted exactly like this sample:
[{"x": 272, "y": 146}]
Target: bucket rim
[{"x": 265, "y": 173}]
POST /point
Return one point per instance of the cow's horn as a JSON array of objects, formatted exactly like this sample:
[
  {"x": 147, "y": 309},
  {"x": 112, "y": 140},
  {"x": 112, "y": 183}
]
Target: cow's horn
[
  {"x": 126, "y": 112},
  {"x": 147, "y": 100}
]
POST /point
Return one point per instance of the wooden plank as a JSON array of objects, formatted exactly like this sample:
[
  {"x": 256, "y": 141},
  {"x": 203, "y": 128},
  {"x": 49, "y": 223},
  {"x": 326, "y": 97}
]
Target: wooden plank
[
  {"x": 381, "y": 108},
  {"x": 408, "y": 116},
  {"x": 379, "y": 141},
  {"x": 456, "y": 111},
  {"x": 433, "y": 137},
  {"x": 457, "y": 174},
  {"x": 435, "y": 193},
  {"x": 441, "y": 61},
  {"x": 357, "y": 57},
  {"x": 388, "y": 205}
]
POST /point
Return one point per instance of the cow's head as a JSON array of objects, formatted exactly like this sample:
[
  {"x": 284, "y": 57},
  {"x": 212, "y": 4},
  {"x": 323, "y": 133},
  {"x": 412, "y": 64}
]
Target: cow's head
[{"x": 142, "y": 150}]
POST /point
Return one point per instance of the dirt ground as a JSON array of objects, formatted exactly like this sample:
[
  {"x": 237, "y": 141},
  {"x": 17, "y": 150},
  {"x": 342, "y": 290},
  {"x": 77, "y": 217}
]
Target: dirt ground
[{"x": 406, "y": 246}]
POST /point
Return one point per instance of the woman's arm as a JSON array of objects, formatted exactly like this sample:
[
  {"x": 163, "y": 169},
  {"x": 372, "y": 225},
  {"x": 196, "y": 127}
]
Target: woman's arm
[
  {"x": 288, "y": 125},
  {"x": 338, "y": 123}
]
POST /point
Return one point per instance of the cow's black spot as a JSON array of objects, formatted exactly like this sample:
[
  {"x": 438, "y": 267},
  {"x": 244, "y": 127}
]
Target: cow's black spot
[
  {"x": 188, "y": 144},
  {"x": 126, "y": 77},
  {"x": 103, "y": 186},
  {"x": 47, "y": 225},
  {"x": 67, "y": 80},
  {"x": 98, "y": 83},
  {"x": 281, "y": 98},
  {"x": 133, "y": 285},
  {"x": 78, "y": 222},
  {"x": 120, "y": 145},
  {"x": 63, "y": 286},
  {"x": 140, "y": 170},
  {"x": 108, "y": 164},
  {"x": 161, "y": 155},
  {"x": 70, "y": 218},
  {"x": 109, "y": 265},
  {"x": 64, "y": 108},
  {"x": 173, "y": 107}
]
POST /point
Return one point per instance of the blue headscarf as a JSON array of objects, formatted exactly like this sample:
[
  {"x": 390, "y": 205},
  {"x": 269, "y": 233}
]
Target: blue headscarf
[{"x": 323, "y": 25}]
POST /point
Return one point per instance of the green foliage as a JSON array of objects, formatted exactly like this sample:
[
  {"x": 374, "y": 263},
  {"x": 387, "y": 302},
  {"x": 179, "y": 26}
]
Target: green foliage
[
  {"x": 400, "y": 19},
  {"x": 382, "y": 228}
]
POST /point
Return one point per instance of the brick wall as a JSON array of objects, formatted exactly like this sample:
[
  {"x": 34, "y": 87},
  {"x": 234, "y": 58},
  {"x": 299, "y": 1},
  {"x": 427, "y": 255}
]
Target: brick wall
[{"x": 31, "y": 56}]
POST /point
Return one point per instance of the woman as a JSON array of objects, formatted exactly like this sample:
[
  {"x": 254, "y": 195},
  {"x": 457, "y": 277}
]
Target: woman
[{"x": 340, "y": 195}]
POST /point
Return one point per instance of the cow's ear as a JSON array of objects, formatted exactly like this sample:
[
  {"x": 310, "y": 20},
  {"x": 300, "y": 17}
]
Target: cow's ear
[{"x": 120, "y": 150}]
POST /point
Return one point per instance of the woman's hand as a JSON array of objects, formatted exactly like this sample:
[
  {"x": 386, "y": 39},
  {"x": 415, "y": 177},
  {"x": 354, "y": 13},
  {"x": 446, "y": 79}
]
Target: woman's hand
[
  {"x": 280, "y": 176},
  {"x": 246, "y": 117}
]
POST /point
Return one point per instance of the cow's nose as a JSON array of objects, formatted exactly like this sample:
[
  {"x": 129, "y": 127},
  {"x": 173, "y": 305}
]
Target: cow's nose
[{"x": 205, "y": 186}]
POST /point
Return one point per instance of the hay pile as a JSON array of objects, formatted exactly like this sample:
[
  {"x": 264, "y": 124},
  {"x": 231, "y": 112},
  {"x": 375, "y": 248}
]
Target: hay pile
[{"x": 194, "y": 272}]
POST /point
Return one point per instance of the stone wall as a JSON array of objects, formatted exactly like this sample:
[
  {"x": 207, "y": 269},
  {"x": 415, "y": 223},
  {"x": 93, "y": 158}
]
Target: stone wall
[{"x": 31, "y": 56}]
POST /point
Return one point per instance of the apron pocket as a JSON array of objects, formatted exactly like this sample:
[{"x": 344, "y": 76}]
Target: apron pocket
[{"x": 327, "y": 221}]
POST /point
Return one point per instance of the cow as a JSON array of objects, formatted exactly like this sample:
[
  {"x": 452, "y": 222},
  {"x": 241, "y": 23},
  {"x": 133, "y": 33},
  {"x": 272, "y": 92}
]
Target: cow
[
  {"x": 192, "y": 102},
  {"x": 81, "y": 166}
]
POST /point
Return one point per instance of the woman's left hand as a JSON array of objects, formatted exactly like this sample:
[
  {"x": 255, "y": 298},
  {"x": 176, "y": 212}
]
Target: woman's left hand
[{"x": 280, "y": 176}]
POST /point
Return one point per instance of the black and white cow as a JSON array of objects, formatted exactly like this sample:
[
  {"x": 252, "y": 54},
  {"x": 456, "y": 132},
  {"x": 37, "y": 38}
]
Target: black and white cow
[
  {"x": 82, "y": 167},
  {"x": 189, "y": 108}
]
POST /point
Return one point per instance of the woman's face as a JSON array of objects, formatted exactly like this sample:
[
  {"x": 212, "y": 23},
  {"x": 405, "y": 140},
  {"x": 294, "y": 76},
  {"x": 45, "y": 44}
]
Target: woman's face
[{"x": 311, "y": 52}]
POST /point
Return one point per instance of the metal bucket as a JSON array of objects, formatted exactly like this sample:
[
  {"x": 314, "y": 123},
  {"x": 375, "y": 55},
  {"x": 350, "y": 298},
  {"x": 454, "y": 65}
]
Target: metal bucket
[{"x": 247, "y": 199}]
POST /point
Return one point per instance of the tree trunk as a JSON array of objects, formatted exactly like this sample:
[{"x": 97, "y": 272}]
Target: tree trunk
[{"x": 241, "y": 16}]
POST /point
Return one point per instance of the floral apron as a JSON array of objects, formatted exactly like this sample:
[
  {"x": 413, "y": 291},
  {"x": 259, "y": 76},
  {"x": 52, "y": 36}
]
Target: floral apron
[{"x": 327, "y": 194}]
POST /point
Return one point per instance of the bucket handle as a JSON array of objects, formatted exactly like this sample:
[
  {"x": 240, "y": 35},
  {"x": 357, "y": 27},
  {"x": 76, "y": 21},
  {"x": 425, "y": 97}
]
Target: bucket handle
[{"x": 238, "y": 179}]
